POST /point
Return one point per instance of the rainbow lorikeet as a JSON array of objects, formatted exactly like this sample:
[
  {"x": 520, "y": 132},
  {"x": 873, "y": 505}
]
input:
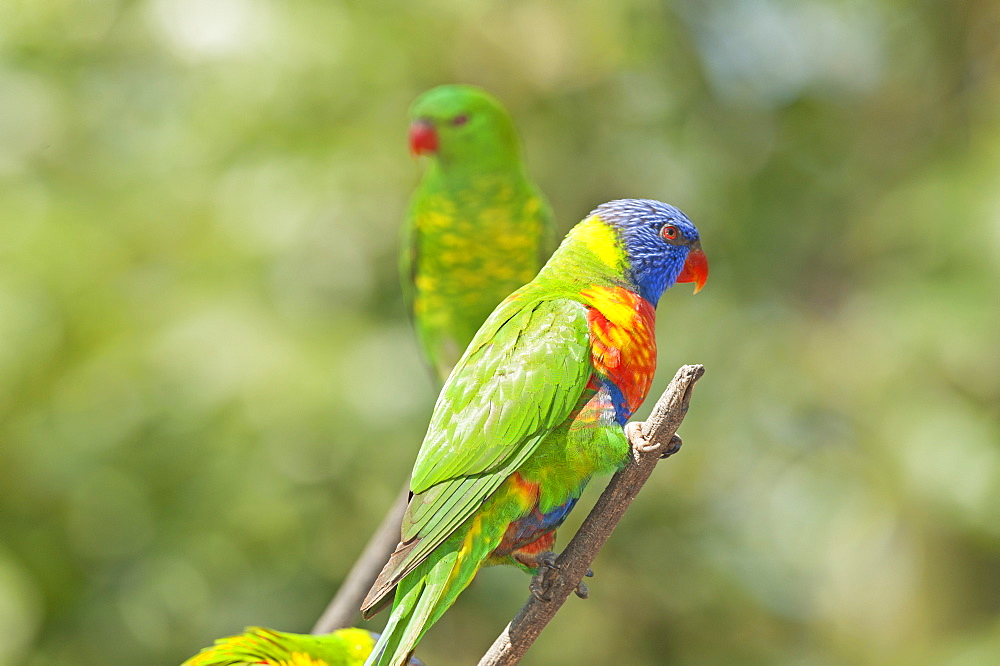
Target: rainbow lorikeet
[
  {"x": 477, "y": 228},
  {"x": 534, "y": 408},
  {"x": 259, "y": 646}
]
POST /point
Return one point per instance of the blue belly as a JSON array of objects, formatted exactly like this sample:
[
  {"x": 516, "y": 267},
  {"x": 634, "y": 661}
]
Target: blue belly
[{"x": 535, "y": 524}]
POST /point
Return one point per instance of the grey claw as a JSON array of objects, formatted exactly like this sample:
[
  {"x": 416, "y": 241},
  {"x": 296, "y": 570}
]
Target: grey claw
[
  {"x": 673, "y": 447},
  {"x": 548, "y": 560},
  {"x": 581, "y": 590},
  {"x": 536, "y": 591}
]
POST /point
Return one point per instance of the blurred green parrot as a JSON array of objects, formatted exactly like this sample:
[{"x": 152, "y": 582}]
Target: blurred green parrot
[
  {"x": 477, "y": 228},
  {"x": 535, "y": 407},
  {"x": 256, "y": 646}
]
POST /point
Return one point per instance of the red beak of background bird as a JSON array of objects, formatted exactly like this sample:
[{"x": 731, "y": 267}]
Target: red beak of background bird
[
  {"x": 695, "y": 269},
  {"x": 423, "y": 138}
]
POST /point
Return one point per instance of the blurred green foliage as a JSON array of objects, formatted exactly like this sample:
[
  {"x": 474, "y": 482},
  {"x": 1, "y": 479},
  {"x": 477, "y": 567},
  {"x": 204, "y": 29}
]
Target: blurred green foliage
[{"x": 209, "y": 392}]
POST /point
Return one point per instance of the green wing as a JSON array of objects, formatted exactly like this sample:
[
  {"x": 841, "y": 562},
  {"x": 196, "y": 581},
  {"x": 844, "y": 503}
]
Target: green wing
[{"x": 522, "y": 376}]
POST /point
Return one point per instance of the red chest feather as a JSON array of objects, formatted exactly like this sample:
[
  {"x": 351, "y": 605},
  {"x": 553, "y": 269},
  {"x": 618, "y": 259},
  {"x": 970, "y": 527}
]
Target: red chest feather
[{"x": 623, "y": 341}]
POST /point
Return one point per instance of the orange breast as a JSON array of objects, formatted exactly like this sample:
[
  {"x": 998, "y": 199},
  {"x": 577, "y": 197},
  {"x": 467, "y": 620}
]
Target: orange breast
[{"x": 623, "y": 341}]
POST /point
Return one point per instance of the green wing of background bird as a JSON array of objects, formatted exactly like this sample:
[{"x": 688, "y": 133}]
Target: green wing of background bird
[{"x": 501, "y": 249}]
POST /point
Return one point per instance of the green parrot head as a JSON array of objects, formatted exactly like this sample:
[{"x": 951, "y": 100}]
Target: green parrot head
[{"x": 463, "y": 127}]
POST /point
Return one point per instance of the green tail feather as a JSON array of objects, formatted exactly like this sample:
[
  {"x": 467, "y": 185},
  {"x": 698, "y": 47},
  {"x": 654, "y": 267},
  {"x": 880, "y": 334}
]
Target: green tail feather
[{"x": 421, "y": 598}]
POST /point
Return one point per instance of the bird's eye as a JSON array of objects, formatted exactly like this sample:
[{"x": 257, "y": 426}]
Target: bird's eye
[
  {"x": 460, "y": 120},
  {"x": 670, "y": 232}
]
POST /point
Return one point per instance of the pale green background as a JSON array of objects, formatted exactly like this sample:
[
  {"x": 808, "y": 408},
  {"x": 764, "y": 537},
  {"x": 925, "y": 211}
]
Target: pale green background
[{"x": 209, "y": 391}]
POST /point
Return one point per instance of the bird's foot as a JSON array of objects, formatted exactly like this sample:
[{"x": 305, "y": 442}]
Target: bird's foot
[
  {"x": 581, "y": 587},
  {"x": 548, "y": 560},
  {"x": 673, "y": 447},
  {"x": 540, "y": 582},
  {"x": 635, "y": 434},
  {"x": 538, "y": 590}
]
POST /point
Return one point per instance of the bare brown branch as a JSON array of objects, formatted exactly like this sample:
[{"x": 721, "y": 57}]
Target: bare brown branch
[{"x": 651, "y": 440}]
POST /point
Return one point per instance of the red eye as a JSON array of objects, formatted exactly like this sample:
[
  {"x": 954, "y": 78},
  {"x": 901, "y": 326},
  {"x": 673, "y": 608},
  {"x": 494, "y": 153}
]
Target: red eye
[
  {"x": 460, "y": 120},
  {"x": 670, "y": 232}
]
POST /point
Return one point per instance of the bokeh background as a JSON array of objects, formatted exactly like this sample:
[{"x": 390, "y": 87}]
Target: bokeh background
[{"x": 210, "y": 393}]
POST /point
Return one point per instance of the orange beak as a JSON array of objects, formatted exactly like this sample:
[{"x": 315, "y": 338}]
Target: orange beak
[
  {"x": 695, "y": 268},
  {"x": 423, "y": 138}
]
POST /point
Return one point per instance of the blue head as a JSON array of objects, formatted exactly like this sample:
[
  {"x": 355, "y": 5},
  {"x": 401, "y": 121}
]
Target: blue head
[{"x": 660, "y": 243}]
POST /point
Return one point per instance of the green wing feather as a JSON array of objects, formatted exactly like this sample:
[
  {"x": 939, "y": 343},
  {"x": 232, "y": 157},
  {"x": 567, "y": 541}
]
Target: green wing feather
[
  {"x": 482, "y": 416},
  {"x": 483, "y": 428}
]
